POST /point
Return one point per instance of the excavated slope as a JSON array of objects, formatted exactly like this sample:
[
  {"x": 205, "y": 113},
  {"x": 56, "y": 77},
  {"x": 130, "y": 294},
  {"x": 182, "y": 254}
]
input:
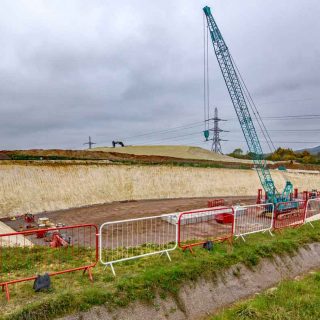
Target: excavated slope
[{"x": 33, "y": 187}]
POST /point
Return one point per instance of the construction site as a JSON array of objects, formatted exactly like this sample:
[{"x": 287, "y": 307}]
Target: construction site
[{"x": 175, "y": 231}]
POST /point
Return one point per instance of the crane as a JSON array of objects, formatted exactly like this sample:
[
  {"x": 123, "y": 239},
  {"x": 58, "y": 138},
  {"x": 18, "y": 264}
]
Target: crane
[{"x": 240, "y": 102}]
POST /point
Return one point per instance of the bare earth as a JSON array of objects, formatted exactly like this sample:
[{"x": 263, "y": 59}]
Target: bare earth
[{"x": 98, "y": 214}]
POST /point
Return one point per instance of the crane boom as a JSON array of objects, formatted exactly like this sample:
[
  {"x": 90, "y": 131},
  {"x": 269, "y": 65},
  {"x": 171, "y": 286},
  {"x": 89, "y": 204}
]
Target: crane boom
[{"x": 240, "y": 104}]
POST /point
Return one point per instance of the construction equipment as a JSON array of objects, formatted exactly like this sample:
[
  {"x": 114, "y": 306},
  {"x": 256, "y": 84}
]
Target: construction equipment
[
  {"x": 120, "y": 143},
  {"x": 241, "y": 100}
]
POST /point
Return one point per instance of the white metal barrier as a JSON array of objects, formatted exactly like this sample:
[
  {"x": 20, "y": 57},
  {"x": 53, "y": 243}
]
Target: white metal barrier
[
  {"x": 252, "y": 219},
  {"x": 312, "y": 210},
  {"x": 135, "y": 238}
]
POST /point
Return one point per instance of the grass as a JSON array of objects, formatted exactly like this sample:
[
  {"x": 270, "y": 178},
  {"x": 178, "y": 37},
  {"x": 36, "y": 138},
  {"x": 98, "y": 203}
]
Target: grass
[
  {"x": 143, "y": 279},
  {"x": 32, "y": 157},
  {"x": 191, "y": 163},
  {"x": 291, "y": 300},
  {"x": 168, "y": 162}
]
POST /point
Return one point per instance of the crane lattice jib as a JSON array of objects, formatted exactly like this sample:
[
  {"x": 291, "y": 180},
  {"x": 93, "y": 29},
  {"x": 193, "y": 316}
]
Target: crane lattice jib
[{"x": 240, "y": 104}]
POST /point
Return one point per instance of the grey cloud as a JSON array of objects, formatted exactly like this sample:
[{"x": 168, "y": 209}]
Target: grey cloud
[{"x": 100, "y": 68}]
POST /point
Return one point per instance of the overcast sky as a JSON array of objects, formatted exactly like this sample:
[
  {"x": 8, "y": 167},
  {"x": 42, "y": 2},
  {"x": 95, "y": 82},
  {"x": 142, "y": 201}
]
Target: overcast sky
[{"x": 120, "y": 69}]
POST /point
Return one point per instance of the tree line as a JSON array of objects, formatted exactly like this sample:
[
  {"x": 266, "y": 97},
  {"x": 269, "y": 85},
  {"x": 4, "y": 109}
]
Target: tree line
[{"x": 281, "y": 154}]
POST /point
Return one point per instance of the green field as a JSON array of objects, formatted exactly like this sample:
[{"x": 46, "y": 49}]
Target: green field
[
  {"x": 291, "y": 300},
  {"x": 142, "y": 279}
]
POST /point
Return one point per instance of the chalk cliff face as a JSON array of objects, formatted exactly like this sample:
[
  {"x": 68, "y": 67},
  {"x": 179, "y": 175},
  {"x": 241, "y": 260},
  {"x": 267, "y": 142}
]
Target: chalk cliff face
[{"x": 31, "y": 187}]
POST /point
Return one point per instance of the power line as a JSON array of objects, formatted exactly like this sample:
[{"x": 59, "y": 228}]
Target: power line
[
  {"x": 186, "y": 126},
  {"x": 199, "y": 132},
  {"x": 198, "y": 123},
  {"x": 254, "y": 109}
]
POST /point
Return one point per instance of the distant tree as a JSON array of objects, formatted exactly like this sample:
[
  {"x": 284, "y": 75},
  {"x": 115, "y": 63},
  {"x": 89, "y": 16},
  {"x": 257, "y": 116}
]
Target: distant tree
[
  {"x": 275, "y": 157},
  {"x": 305, "y": 153},
  {"x": 308, "y": 159},
  {"x": 237, "y": 152},
  {"x": 251, "y": 155},
  {"x": 288, "y": 157},
  {"x": 281, "y": 154}
]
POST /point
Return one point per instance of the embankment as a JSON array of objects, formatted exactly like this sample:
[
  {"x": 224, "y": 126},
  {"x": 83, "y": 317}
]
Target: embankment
[
  {"x": 44, "y": 186},
  {"x": 196, "y": 300}
]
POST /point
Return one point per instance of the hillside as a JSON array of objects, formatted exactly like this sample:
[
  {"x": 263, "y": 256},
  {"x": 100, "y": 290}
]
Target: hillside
[
  {"x": 182, "y": 152},
  {"x": 314, "y": 150}
]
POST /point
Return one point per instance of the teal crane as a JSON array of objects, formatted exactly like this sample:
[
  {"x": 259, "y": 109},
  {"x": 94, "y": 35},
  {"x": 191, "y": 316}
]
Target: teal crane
[{"x": 240, "y": 102}]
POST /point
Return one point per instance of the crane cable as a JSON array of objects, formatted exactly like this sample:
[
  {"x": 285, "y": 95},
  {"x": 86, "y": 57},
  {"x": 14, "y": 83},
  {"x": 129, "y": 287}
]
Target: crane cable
[
  {"x": 255, "y": 110},
  {"x": 204, "y": 75},
  {"x": 206, "y": 87}
]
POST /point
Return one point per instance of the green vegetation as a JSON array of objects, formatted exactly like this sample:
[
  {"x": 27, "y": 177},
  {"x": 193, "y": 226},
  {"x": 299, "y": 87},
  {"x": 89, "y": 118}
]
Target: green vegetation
[
  {"x": 294, "y": 300},
  {"x": 33, "y": 157},
  {"x": 173, "y": 163},
  {"x": 239, "y": 154},
  {"x": 36, "y": 258},
  {"x": 191, "y": 163},
  {"x": 281, "y": 154},
  {"x": 143, "y": 279}
]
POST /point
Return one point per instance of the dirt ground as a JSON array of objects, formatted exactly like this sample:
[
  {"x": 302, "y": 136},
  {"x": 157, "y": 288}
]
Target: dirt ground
[{"x": 100, "y": 213}]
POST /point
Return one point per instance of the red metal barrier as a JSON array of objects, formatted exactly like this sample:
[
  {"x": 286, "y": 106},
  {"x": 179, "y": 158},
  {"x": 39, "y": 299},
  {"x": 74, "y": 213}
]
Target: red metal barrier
[
  {"x": 197, "y": 227},
  {"x": 289, "y": 214},
  {"x": 215, "y": 203},
  {"x": 259, "y": 197},
  {"x": 24, "y": 255},
  {"x": 313, "y": 194}
]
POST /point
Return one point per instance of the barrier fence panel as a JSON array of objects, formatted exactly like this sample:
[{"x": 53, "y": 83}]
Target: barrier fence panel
[
  {"x": 135, "y": 238},
  {"x": 252, "y": 219},
  {"x": 215, "y": 203},
  {"x": 289, "y": 214},
  {"x": 26, "y": 254},
  {"x": 197, "y": 227},
  {"x": 313, "y": 210}
]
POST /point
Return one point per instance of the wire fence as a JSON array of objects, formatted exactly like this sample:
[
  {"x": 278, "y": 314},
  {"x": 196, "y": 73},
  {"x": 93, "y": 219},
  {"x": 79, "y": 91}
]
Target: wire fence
[
  {"x": 195, "y": 228},
  {"x": 24, "y": 255},
  {"x": 289, "y": 214},
  {"x": 253, "y": 219},
  {"x": 312, "y": 210},
  {"x": 136, "y": 238}
]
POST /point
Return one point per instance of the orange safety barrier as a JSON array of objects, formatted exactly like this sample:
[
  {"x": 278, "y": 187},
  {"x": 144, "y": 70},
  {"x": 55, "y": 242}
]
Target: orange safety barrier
[
  {"x": 197, "y": 227},
  {"x": 26, "y": 254},
  {"x": 215, "y": 203},
  {"x": 289, "y": 214}
]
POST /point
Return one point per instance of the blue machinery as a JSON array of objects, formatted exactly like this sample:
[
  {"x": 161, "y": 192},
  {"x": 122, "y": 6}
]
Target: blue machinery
[{"x": 240, "y": 103}]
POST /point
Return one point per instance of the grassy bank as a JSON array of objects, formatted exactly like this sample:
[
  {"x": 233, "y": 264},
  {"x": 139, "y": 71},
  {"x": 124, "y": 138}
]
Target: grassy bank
[
  {"x": 294, "y": 300},
  {"x": 145, "y": 278}
]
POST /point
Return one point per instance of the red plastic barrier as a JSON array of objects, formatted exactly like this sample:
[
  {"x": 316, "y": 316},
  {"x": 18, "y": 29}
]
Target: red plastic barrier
[
  {"x": 197, "y": 227},
  {"x": 24, "y": 255},
  {"x": 289, "y": 214},
  {"x": 215, "y": 203}
]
